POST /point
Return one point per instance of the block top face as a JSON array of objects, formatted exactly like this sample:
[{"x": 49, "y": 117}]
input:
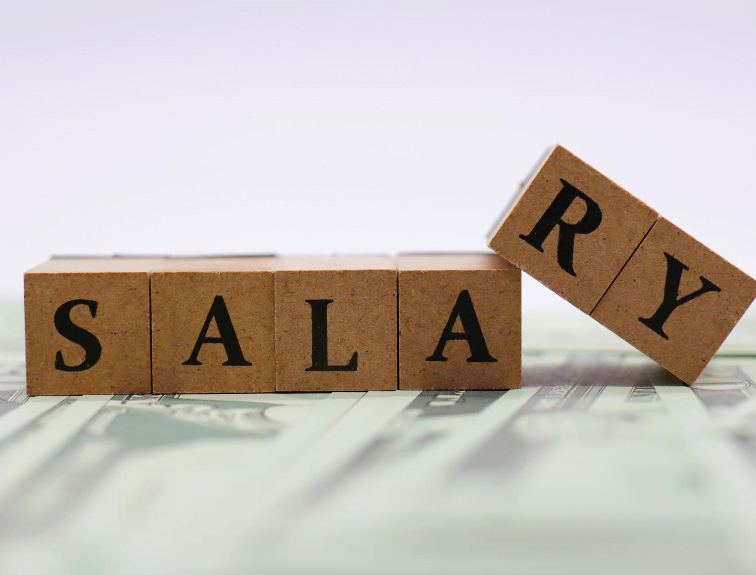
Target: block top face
[
  {"x": 451, "y": 262},
  {"x": 96, "y": 265},
  {"x": 572, "y": 229},
  {"x": 334, "y": 263},
  {"x": 676, "y": 301},
  {"x": 217, "y": 264}
]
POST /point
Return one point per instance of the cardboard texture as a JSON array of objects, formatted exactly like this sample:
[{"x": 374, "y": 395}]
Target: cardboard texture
[
  {"x": 572, "y": 229},
  {"x": 676, "y": 301},
  {"x": 88, "y": 326},
  {"x": 459, "y": 322},
  {"x": 336, "y": 324},
  {"x": 213, "y": 325}
]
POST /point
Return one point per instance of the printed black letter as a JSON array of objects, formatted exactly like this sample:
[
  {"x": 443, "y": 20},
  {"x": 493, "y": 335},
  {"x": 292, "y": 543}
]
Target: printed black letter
[
  {"x": 227, "y": 336},
  {"x": 320, "y": 339},
  {"x": 472, "y": 334},
  {"x": 552, "y": 217},
  {"x": 78, "y": 335},
  {"x": 671, "y": 301}
]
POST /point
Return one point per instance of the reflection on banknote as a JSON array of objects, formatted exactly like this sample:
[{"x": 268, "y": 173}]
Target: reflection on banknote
[{"x": 12, "y": 380}]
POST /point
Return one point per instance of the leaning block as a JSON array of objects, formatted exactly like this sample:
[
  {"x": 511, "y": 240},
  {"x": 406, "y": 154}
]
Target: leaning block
[
  {"x": 88, "y": 326},
  {"x": 572, "y": 228},
  {"x": 676, "y": 301},
  {"x": 459, "y": 322},
  {"x": 213, "y": 325},
  {"x": 336, "y": 324}
]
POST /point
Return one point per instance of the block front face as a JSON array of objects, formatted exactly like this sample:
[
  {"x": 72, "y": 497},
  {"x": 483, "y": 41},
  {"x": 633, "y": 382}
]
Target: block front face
[
  {"x": 213, "y": 326},
  {"x": 572, "y": 229},
  {"x": 88, "y": 327},
  {"x": 336, "y": 324},
  {"x": 459, "y": 322},
  {"x": 676, "y": 301}
]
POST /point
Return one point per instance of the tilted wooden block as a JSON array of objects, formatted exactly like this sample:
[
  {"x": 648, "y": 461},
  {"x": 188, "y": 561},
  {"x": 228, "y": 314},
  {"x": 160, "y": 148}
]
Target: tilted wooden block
[
  {"x": 88, "y": 326},
  {"x": 459, "y": 322},
  {"x": 213, "y": 325},
  {"x": 572, "y": 229},
  {"x": 336, "y": 324},
  {"x": 676, "y": 301}
]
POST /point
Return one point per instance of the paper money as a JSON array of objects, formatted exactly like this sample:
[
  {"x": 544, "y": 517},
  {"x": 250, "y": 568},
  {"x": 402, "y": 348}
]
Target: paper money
[
  {"x": 572, "y": 467},
  {"x": 602, "y": 463}
]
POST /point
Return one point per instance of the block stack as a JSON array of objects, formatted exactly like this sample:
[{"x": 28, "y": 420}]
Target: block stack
[{"x": 424, "y": 321}]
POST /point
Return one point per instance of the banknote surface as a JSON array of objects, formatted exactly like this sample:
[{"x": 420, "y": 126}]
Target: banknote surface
[{"x": 601, "y": 463}]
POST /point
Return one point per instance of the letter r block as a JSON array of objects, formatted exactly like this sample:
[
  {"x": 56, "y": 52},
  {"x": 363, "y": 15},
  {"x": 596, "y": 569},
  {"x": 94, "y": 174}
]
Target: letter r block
[
  {"x": 459, "y": 322},
  {"x": 336, "y": 324},
  {"x": 88, "y": 326},
  {"x": 676, "y": 301},
  {"x": 572, "y": 228},
  {"x": 213, "y": 325}
]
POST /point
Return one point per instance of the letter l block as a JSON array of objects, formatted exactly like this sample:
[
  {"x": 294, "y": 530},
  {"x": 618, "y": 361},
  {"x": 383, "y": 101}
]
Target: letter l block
[
  {"x": 88, "y": 326},
  {"x": 336, "y": 324},
  {"x": 571, "y": 228},
  {"x": 676, "y": 301}
]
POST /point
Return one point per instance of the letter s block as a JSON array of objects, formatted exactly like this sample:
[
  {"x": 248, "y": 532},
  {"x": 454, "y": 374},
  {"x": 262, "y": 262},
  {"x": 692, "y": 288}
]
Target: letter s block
[
  {"x": 459, "y": 322},
  {"x": 88, "y": 326},
  {"x": 213, "y": 325},
  {"x": 572, "y": 229},
  {"x": 676, "y": 301},
  {"x": 336, "y": 321}
]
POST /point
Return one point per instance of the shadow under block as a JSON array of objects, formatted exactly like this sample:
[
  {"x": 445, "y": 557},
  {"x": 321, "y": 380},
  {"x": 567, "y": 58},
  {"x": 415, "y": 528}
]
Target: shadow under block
[
  {"x": 213, "y": 325},
  {"x": 336, "y": 324},
  {"x": 572, "y": 229},
  {"x": 676, "y": 301},
  {"x": 459, "y": 322},
  {"x": 88, "y": 326}
]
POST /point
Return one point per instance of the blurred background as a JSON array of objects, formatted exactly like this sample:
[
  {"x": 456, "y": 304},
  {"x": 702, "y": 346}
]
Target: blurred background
[{"x": 237, "y": 127}]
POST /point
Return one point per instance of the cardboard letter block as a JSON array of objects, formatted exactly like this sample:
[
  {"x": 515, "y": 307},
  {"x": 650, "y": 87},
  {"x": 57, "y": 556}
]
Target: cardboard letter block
[
  {"x": 213, "y": 325},
  {"x": 572, "y": 229},
  {"x": 459, "y": 322},
  {"x": 336, "y": 325},
  {"x": 88, "y": 326},
  {"x": 676, "y": 301}
]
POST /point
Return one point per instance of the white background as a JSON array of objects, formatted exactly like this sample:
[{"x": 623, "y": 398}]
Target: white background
[{"x": 205, "y": 127}]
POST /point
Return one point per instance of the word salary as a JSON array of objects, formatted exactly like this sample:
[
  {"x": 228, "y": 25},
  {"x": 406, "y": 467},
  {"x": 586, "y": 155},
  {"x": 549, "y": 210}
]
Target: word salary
[{"x": 265, "y": 324}]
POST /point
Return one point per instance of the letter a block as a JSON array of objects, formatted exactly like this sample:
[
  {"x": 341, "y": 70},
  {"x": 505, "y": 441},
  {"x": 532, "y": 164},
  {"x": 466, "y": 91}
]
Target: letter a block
[
  {"x": 213, "y": 325},
  {"x": 336, "y": 322},
  {"x": 88, "y": 326},
  {"x": 459, "y": 322},
  {"x": 572, "y": 229},
  {"x": 676, "y": 301}
]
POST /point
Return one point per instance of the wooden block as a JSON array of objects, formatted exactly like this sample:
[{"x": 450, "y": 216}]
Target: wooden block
[
  {"x": 213, "y": 325},
  {"x": 572, "y": 228},
  {"x": 676, "y": 301},
  {"x": 459, "y": 322},
  {"x": 336, "y": 324},
  {"x": 88, "y": 326}
]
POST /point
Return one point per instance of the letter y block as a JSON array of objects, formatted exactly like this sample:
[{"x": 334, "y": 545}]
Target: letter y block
[{"x": 676, "y": 301}]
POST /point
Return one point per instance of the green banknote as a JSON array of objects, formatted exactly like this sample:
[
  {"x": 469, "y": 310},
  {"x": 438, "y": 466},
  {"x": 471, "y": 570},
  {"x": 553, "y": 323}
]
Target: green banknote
[{"x": 601, "y": 463}]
